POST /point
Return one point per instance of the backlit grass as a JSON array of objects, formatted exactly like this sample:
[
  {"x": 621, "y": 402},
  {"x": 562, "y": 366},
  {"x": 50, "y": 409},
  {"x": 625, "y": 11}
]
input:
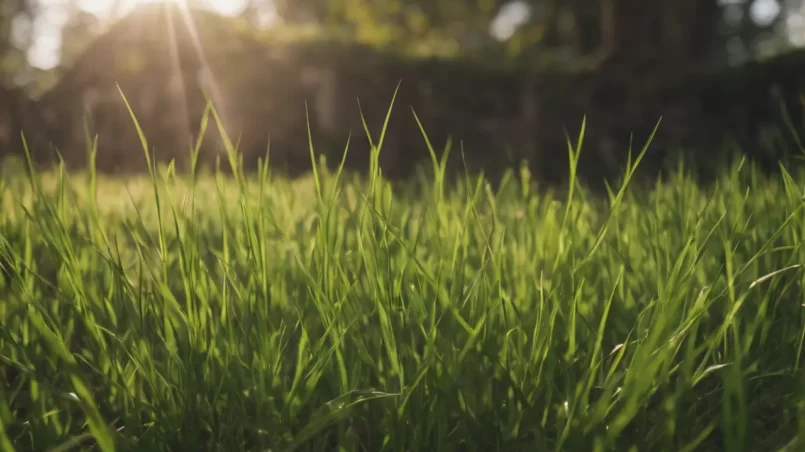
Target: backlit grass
[{"x": 203, "y": 312}]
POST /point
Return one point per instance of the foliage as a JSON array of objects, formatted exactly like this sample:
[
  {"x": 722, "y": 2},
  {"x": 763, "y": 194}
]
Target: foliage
[
  {"x": 13, "y": 45},
  {"x": 561, "y": 30}
]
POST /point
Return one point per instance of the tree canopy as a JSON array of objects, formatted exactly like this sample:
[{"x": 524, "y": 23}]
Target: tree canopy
[{"x": 531, "y": 32}]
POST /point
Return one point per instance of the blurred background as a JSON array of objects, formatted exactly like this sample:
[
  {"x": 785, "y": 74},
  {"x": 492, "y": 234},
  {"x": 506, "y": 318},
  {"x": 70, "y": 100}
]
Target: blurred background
[
  {"x": 533, "y": 68},
  {"x": 39, "y": 38}
]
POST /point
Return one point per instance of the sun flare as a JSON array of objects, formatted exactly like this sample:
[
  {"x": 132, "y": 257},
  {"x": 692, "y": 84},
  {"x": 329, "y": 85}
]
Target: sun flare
[{"x": 107, "y": 7}]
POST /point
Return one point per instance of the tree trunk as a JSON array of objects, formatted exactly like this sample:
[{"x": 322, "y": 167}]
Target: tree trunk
[{"x": 675, "y": 33}]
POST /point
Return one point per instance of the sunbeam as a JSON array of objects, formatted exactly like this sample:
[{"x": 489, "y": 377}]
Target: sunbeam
[
  {"x": 106, "y": 7},
  {"x": 209, "y": 84}
]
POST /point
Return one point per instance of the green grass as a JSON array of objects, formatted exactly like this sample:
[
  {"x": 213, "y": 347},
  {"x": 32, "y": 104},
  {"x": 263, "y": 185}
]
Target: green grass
[{"x": 203, "y": 312}]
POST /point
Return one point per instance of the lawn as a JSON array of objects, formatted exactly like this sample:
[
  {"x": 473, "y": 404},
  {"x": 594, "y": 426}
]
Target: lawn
[{"x": 199, "y": 311}]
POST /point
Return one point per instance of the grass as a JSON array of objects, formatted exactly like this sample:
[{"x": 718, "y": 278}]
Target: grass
[{"x": 203, "y": 312}]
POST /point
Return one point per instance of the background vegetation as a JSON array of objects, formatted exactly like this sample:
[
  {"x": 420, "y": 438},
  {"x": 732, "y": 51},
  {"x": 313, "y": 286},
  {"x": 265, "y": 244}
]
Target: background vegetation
[
  {"x": 502, "y": 30},
  {"x": 502, "y": 80}
]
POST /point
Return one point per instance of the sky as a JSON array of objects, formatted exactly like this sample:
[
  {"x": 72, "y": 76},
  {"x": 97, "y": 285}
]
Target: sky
[{"x": 46, "y": 49}]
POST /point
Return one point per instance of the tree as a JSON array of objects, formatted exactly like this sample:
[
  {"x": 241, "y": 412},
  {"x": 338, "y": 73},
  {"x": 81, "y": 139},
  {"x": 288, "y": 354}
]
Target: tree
[
  {"x": 398, "y": 24},
  {"x": 678, "y": 31},
  {"x": 79, "y": 30},
  {"x": 675, "y": 32},
  {"x": 15, "y": 37}
]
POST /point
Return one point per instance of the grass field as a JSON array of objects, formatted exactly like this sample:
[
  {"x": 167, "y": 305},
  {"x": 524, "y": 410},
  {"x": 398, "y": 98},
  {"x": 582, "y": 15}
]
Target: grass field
[{"x": 334, "y": 313}]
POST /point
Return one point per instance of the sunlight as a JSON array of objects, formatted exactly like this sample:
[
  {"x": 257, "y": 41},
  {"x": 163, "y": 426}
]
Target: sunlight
[
  {"x": 111, "y": 9},
  {"x": 106, "y": 8},
  {"x": 53, "y": 15}
]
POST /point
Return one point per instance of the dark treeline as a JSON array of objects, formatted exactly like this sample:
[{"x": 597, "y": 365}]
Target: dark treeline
[{"x": 502, "y": 100}]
